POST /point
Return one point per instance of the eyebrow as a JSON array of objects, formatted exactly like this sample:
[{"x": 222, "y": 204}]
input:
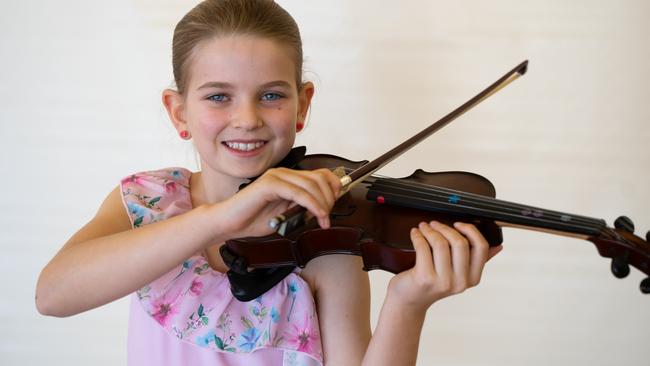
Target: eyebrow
[{"x": 223, "y": 85}]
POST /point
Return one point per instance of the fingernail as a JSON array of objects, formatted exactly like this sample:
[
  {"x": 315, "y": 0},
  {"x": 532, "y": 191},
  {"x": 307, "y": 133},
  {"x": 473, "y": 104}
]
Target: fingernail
[{"x": 325, "y": 224}]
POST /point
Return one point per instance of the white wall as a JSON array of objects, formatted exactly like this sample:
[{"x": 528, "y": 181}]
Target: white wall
[{"x": 80, "y": 108}]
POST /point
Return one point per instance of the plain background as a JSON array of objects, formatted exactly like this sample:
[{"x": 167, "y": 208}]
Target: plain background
[{"x": 80, "y": 108}]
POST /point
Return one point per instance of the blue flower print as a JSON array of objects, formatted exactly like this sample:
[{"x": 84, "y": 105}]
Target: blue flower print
[
  {"x": 136, "y": 209},
  {"x": 248, "y": 339},
  {"x": 205, "y": 340},
  {"x": 187, "y": 263},
  {"x": 275, "y": 315},
  {"x": 177, "y": 174},
  {"x": 293, "y": 289}
]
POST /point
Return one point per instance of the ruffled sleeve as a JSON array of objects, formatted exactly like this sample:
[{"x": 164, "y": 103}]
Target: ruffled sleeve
[{"x": 157, "y": 195}]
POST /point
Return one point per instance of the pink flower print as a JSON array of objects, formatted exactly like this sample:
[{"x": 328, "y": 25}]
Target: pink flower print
[
  {"x": 196, "y": 287},
  {"x": 305, "y": 337},
  {"x": 134, "y": 178},
  {"x": 170, "y": 187},
  {"x": 163, "y": 310}
]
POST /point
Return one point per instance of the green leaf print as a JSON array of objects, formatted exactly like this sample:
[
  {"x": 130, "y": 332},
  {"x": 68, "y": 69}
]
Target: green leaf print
[
  {"x": 219, "y": 342},
  {"x": 200, "y": 310},
  {"x": 153, "y": 201},
  {"x": 205, "y": 320},
  {"x": 138, "y": 221},
  {"x": 277, "y": 340},
  {"x": 203, "y": 268},
  {"x": 247, "y": 323},
  {"x": 230, "y": 349}
]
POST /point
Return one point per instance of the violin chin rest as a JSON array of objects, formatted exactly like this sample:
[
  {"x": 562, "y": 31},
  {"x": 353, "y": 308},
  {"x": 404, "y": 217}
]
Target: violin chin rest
[{"x": 251, "y": 285}]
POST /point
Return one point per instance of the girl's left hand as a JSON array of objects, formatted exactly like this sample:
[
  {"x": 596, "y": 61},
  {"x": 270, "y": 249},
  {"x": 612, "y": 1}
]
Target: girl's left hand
[{"x": 448, "y": 261}]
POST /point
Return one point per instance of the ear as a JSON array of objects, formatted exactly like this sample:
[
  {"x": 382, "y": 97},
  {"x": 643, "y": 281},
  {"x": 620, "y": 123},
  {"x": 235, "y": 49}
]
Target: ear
[
  {"x": 305, "y": 94},
  {"x": 174, "y": 104}
]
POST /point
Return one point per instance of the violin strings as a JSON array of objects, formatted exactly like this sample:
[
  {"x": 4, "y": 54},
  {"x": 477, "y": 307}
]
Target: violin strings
[
  {"x": 498, "y": 215},
  {"x": 446, "y": 193},
  {"x": 488, "y": 204},
  {"x": 495, "y": 206},
  {"x": 487, "y": 201}
]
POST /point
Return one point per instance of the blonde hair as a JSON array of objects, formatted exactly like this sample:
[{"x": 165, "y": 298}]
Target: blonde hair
[{"x": 218, "y": 18}]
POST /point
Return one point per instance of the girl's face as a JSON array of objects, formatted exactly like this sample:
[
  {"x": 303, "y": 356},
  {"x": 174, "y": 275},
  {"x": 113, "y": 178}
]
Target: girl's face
[{"x": 242, "y": 104}]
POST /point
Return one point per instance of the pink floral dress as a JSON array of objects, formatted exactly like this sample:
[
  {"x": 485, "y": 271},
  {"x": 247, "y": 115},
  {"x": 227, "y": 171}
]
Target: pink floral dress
[{"x": 189, "y": 316}]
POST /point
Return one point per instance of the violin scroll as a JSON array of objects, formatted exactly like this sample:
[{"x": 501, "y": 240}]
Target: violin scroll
[
  {"x": 625, "y": 249},
  {"x": 645, "y": 286}
]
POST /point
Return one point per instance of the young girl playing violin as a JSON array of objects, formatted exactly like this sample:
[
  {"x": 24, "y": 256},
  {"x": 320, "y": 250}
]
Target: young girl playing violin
[{"x": 240, "y": 99}]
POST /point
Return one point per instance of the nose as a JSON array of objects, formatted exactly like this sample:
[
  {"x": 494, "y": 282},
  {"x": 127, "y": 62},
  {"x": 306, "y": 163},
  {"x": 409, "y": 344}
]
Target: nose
[{"x": 246, "y": 116}]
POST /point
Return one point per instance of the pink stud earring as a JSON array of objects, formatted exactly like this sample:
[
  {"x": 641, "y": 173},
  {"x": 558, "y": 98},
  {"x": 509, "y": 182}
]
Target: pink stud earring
[
  {"x": 184, "y": 135},
  {"x": 299, "y": 126}
]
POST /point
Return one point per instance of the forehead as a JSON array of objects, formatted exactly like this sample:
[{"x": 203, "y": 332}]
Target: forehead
[{"x": 241, "y": 60}]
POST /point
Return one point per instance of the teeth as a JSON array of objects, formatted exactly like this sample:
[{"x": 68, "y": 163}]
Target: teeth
[{"x": 245, "y": 146}]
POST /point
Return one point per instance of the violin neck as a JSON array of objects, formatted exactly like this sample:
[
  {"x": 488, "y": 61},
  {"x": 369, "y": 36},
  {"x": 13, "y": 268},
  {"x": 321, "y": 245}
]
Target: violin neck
[{"x": 504, "y": 213}]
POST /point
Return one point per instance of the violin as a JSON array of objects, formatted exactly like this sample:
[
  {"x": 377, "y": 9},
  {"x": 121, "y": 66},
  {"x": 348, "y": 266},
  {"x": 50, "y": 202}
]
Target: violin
[{"x": 373, "y": 216}]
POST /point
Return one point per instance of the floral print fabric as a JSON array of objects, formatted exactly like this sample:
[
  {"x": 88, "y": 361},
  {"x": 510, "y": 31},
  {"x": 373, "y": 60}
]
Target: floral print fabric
[{"x": 194, "y": 303}]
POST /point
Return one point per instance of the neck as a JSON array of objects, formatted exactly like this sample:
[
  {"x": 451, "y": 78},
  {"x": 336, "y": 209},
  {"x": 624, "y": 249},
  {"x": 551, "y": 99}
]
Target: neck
[{"x": 209, "y": 187}]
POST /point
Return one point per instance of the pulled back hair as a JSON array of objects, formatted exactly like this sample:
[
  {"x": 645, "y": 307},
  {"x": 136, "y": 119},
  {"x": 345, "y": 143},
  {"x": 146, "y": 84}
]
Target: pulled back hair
[{"x": 219, "y": 18}]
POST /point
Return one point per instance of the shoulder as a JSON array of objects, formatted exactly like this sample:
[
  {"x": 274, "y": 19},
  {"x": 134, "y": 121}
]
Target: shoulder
[
  {"x": 166, "y": 177},
  {"x": 328, "y": 270},
  {"x": 155, "y": 195}
]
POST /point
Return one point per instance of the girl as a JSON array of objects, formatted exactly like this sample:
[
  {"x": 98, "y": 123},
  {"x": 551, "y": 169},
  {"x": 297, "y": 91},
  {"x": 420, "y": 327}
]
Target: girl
[{"x": 240, "y": 98}]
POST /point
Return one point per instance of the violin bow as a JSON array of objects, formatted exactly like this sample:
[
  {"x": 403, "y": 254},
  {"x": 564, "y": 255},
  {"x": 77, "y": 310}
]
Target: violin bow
[{"x": 287, "y": 222}]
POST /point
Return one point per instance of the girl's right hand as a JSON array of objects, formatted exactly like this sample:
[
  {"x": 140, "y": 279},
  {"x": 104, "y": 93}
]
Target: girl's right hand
[{"x": 248, "y": 212}]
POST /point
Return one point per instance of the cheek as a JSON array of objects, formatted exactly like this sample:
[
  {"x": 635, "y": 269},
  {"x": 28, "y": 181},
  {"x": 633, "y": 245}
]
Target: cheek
[
  {"x": 210, "y": 123},
  {"x": 285, "y": 113}
]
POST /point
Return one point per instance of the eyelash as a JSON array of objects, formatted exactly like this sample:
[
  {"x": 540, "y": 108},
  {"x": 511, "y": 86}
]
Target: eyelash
[
  {"x": 215, "y": 96},
  {"x": 220, "y": 98},
  {"x": 277, "y": 96}
]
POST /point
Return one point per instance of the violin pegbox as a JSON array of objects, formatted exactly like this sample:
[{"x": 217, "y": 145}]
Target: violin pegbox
[{"x": 625, "y": 249}]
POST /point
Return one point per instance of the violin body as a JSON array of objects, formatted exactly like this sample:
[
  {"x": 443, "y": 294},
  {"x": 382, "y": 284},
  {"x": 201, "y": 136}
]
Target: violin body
[{"x": 377, "y": 232}]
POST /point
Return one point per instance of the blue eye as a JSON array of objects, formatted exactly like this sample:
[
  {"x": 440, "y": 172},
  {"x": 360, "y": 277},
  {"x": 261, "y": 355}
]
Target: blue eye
[
  {"x": 218, "y": 98},
  {"x": 272, "y": 96}
]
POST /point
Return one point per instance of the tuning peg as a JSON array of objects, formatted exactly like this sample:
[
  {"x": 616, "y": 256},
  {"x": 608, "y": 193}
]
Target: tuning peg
[
  {"x": 624, "y": 223},
  {"x": 645, "y": 286},
  {"x": 620, "y": 267}
]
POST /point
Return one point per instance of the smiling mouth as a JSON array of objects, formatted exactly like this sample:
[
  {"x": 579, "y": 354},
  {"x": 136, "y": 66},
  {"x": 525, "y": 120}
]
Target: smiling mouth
[{"x": 244, "y": 146}]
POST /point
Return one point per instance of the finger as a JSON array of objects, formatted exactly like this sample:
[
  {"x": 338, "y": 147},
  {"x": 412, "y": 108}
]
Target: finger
[
  {"x": 310, "y": 182},
  {"x": 334, "y": 182},
  {"x": 459, "y": 252},
  {"x": 440, "y": 247},
  {"x": 479, "y": 250},
  {"x": 322, "y": 178},
  {"x": 286, "y": 190},
  {"x": 306, "y": 182},
  {"x": 423, "y": 255}
]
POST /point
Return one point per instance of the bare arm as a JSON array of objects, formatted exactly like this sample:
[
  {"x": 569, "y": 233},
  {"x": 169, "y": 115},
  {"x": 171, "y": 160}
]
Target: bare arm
[
  {"x": 106, "y": 251},
  {"x": 448, "y": 261},
  {"x": 342, "y": 295}
]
